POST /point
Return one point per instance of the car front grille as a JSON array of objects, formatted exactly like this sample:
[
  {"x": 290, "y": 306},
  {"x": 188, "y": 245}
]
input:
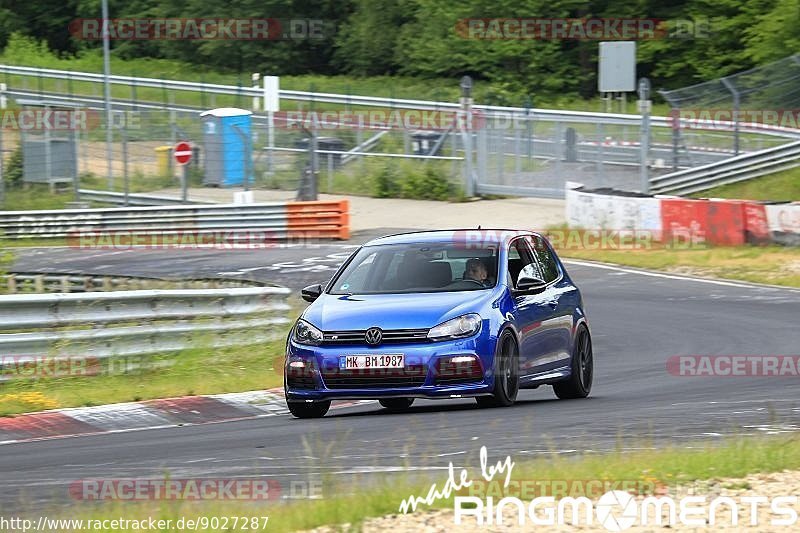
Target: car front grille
[
  {"x": 390, "y": 336},
  {"x": 410, "y": 376}
]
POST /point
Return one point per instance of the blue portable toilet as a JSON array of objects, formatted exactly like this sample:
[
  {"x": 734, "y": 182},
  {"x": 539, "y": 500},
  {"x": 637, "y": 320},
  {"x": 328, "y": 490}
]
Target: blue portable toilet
[{"x": 228, "y": 146}]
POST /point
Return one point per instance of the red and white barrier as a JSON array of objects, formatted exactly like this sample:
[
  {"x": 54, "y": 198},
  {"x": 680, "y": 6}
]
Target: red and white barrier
[
  {"x": 784, "y": 223},
  {"x": 716, "y": 221}
]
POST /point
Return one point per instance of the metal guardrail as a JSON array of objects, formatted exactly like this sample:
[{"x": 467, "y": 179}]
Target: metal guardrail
[
  {"x": 241, "y": 221},
  {"x": 37, "y": 325},
  {"x": 739, "y": 168},
  {"x": 48, "y": 282},
  {"x": 135, "y": 199},
  {"x": 356, "y": 100}
]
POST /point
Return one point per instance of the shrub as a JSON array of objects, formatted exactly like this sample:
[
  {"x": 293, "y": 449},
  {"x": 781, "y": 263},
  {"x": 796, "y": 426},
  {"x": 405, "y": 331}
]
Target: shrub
[{"x": 12, "y": 169}]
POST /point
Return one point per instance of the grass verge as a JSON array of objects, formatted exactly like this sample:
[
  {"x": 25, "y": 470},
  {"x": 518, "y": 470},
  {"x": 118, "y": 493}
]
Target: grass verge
[
  {"x": 782, "y": 186},
  {"x": 774, "y": 265},
  {"x": 352, "y": 505},
  {"x": 87, "y": 382}
]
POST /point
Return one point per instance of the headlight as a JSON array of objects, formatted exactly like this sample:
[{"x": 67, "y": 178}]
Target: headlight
[
  {"x": 456, "y": 328},
  {"x": 305, "y": 333}
]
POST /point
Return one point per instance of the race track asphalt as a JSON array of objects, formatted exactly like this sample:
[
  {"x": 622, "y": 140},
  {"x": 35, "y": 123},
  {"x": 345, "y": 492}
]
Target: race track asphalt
[{"x": 638, "y": 321}]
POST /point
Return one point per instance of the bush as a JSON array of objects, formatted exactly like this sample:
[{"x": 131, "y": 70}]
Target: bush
[
  {"x": 430, "y": 184},
  {"x": 12, "y": 169},
  {"x": 426, "y": 181},
  {"x": 385, "y": 183}
]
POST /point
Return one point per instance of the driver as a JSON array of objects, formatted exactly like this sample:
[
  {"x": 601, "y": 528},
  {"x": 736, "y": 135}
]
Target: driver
[{"x": 476, "y": 270}]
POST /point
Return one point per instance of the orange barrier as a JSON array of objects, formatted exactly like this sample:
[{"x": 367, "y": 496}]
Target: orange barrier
[
  {"x": 683, "y": 219},
  {"x": 322, "y": 220},
  {"x": 711, "y": 221},
  {"x": 725, "y": 222}
]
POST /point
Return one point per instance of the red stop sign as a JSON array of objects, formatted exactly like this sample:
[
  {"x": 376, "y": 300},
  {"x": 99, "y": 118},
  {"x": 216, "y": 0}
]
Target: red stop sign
[{"x": 182, "y": 153}]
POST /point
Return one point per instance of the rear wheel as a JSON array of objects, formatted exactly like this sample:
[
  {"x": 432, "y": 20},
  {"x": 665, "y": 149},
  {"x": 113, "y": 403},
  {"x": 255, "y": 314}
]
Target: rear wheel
[
  {"x": 579, "y": 383},
  {"x": 309, "y": 409},
  {"x": 506, "y": 374},
  {"x": 396, "y": 404}
]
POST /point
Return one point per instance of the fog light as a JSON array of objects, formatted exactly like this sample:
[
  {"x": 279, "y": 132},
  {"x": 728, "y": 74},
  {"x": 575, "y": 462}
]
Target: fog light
[
  {"x": 458, "y": 369},
  {"x": 297, "y": 364}
]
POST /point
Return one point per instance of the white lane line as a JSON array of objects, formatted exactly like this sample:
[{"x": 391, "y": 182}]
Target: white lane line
[{"x": 679, "y": 278}]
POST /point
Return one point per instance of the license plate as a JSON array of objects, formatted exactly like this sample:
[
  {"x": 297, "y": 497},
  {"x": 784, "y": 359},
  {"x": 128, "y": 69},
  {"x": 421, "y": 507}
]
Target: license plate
[{"x": 353, "y": 362}]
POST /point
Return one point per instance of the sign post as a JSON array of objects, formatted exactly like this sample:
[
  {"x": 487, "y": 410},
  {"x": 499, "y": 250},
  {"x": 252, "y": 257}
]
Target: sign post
[
  {"x": 271, "y": 106},
  {"x": 183, "y": 154},
  {"x": 645, "y": 106}
]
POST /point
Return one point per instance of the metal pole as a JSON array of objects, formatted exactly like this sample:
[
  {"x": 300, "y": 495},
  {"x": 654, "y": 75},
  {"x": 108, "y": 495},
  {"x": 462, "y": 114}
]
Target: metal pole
[
  {"x": 270, "y": 140},
  {"x": 736, "y": 105},
  {"x": 466, "y": 129},
  {"x": 3, "y": 102},
  {"x": 48, "y": 159},
  {"x": 185, "y": 184},
  {"x": 124, "y": 139},
  {"x": 76, "y": 139},
  {"x": 644, "y": 108},
  {"x": 529, "y": 126},
  {"x": 107, "y": 93},
  {"x": 314, "y": 162},
  {"x": 2, "y": 173}
]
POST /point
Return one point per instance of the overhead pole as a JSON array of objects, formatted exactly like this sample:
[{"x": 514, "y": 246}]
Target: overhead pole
[{"x": 107, "y": 93}]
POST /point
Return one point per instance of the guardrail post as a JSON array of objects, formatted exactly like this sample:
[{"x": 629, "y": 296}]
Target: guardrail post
[
  {"x": 38, "y": 283},
  {"x": 65, "y": 287},
  {"x": 736, "y": 103},
  {"x": 12, "y": 284}
]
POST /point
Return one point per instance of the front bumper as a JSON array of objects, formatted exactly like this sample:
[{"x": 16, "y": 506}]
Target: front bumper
[{"x": 421, "y": 378}]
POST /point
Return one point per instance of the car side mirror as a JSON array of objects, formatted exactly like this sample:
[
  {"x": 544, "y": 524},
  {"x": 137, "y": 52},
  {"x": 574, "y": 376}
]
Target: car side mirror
[
  {"x": 311, "y": 293},
  {"x": 530, "y": 285}
]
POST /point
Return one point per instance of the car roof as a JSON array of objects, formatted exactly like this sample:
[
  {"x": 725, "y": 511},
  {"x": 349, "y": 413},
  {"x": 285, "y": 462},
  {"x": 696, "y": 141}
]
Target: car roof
[{"x": 472, "y": 236}]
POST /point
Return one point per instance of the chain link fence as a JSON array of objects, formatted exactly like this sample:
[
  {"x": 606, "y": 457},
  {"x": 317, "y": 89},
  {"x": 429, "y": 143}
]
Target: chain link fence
[
  {"x": 322, "y": 142},
  {"x": 767, "y": 95}
]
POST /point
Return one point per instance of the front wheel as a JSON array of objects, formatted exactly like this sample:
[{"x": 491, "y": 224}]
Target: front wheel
[
  {"x": 309, "y": 409},
  {"x": 506, "y": 374},
  {"x": 396, "y": 404},
  {"x": 580, "y": 381}
]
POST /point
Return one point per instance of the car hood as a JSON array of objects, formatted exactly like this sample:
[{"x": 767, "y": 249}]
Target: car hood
[{"x": 393, "y": 311}]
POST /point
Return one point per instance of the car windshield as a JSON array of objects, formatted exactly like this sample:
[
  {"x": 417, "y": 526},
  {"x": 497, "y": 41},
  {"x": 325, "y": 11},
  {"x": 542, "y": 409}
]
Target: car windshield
[{"x": 427, "y": 267}]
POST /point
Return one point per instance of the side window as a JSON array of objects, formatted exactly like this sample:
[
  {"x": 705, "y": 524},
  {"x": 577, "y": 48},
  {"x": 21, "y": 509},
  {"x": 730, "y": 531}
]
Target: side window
[
  {"x": 546, "y": 259},
  {"x": 520, "y": 259}
]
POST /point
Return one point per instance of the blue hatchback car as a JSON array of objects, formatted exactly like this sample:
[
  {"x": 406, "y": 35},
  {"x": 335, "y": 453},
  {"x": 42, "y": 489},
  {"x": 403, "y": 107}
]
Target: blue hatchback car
[{"x": 440, "y": 314}]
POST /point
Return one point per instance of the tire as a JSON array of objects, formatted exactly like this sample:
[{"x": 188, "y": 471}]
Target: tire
[
  {"x": 309, "y": 409},
  {"x": 506, "y": 374},
  {"x": 396, "y": 404},
  {"x": 579, "y": 383}
]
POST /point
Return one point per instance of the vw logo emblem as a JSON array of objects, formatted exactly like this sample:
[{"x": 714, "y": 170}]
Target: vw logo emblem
[{"x": 373, "y": 336}]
